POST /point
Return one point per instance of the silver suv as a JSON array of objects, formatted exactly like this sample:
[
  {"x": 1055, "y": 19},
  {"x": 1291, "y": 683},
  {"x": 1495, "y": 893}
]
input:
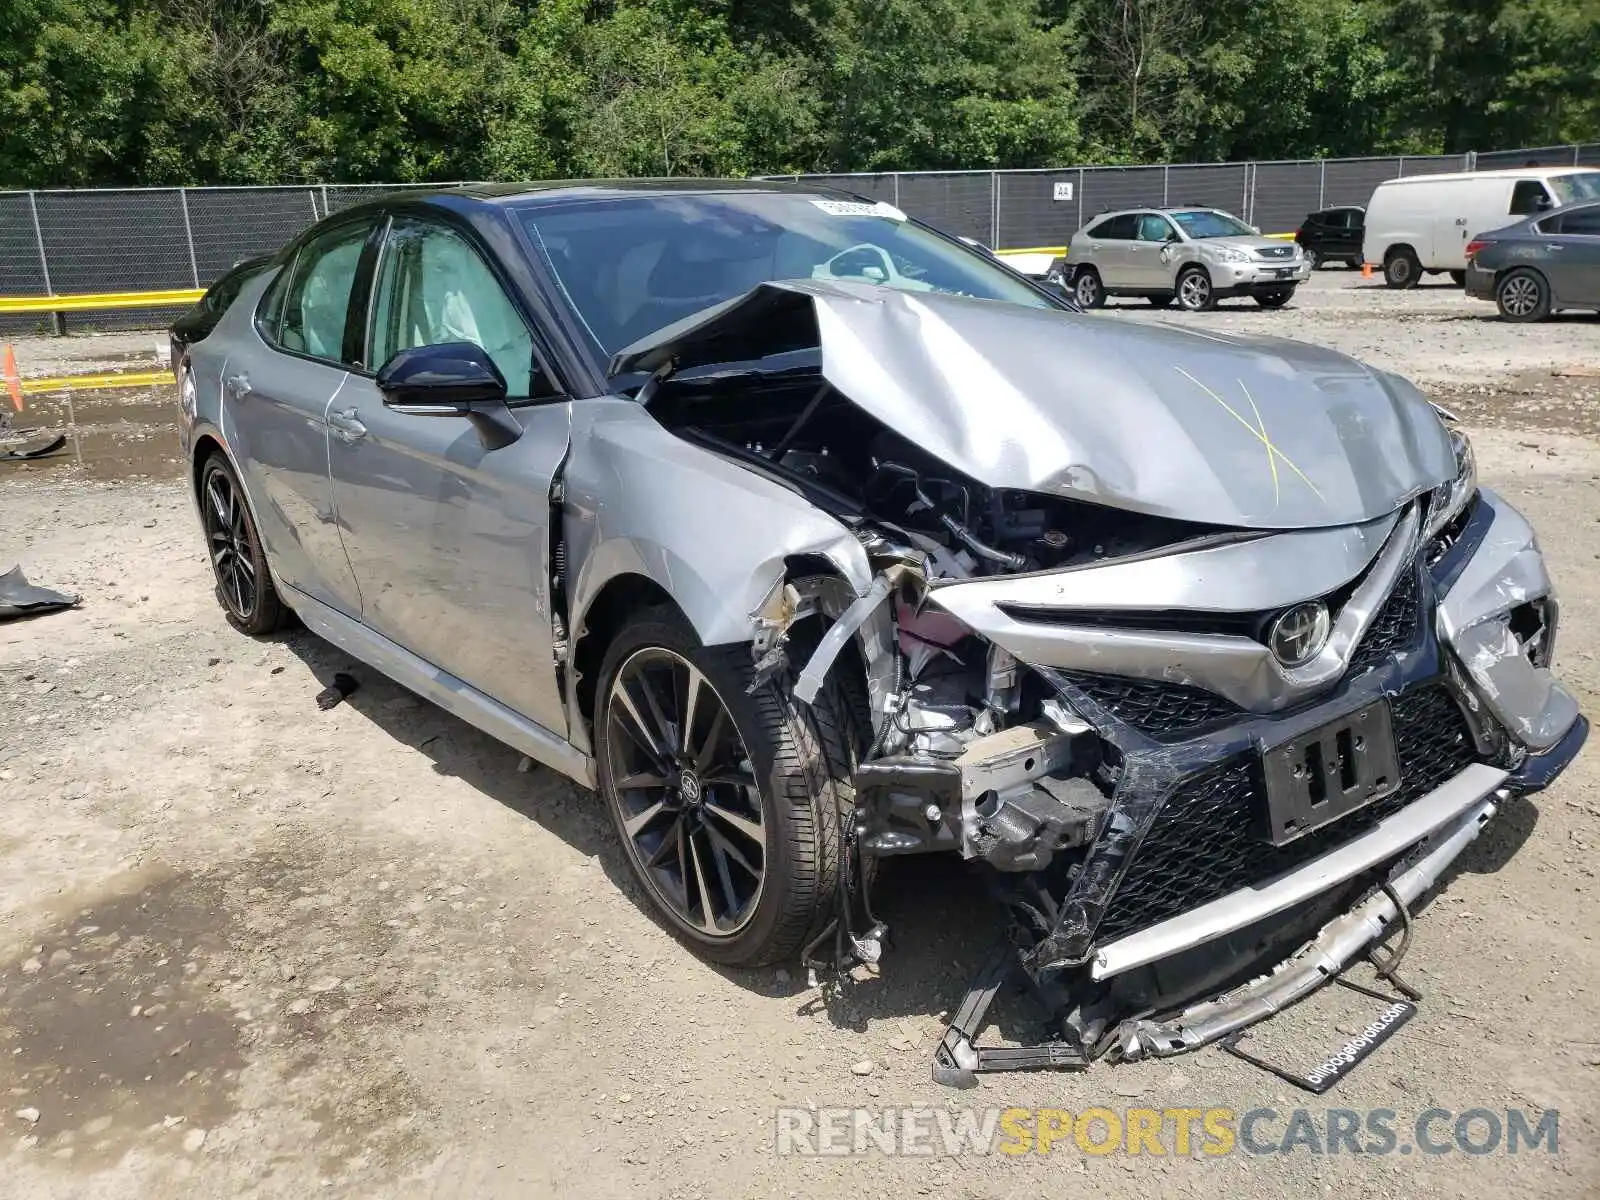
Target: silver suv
[{"x": 1194, "y": 255}]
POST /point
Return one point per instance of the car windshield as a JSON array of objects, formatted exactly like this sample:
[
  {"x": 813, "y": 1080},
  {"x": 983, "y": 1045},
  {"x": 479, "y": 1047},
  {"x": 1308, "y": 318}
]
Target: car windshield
[
  {"x": 630, "y": 266},
  {"x": 1207, "y": 224},
  {"x": 1571, "y": 188}
]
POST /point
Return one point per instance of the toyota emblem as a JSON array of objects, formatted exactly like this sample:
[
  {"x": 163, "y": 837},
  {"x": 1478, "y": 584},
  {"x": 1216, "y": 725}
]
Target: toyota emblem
[{"x": 1299, "y": 633}]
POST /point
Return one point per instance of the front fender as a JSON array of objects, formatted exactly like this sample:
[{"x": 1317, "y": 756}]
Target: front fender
[{"x": 713, "y": 535}]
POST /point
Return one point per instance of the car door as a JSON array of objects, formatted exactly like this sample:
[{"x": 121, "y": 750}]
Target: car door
[
  {"x": 450, "y": 537},
  {"x": 1571, "y": 255},
  {"x": 277, "y": 388},
  {"x": 1148, "y": 266},
  {"x": 1342, "y": 236},
  {"x": 1109, "y": 241}
]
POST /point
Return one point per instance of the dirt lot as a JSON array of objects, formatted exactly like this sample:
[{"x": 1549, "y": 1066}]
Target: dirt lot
[{"x": 252, "y": 948}]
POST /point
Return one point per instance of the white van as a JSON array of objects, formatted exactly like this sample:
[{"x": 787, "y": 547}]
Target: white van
[{"x": 1424, "y": 222}]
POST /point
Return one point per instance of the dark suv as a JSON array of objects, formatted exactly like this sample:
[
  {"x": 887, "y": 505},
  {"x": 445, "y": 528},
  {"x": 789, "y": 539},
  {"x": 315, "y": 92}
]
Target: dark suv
[{"x": 1333, "y": 235}]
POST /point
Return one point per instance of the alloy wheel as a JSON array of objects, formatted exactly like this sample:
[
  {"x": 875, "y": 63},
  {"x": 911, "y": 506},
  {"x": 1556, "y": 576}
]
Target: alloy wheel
[
  {"x": 228, "y": 540},
  {"x": 1194, "y": 290},
  {"x": 1088, "y": 289},
  {"x": 685, "y": 792},
  {"x": 1519, "y": 296}
]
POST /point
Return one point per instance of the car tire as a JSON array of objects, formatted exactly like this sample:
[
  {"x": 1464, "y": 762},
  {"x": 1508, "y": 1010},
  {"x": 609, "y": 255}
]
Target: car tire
[
  {"x": 1459, "y": 278},
  {"x": 1194, "y": 290},
  {"x": 1314, "y": 257},
  {"x": 759, "y": 872},
  {"x": 1274, "y": 299},
  {"x": 1160, "y": 301},
  {"x": 1522, "y": 295},
  {"x": 238, "y": 562},
  {"x": 1353, "y": 263},
  {"x": 1087, "y": 289},
  {"x": 1402, "y": 268}
]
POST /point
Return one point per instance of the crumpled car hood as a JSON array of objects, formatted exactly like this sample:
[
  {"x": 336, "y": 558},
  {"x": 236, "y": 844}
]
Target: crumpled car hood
[{"x": 1260, "y": 433}]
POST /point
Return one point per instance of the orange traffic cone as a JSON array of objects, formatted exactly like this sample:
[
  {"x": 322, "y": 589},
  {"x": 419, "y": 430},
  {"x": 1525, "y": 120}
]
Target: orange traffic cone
[
  {"x": 1366, "y": 270},
  {"x": 13, "y": 381}
]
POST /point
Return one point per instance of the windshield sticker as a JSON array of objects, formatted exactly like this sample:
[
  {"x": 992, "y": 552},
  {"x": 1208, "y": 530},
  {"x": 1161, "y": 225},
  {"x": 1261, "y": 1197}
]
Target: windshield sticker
[{"x": 859, "y": 208}]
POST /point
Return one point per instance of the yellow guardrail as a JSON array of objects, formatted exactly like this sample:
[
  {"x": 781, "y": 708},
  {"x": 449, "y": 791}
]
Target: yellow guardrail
[
  {"x": 109, "y": 379},
  {"x": 90, "y": 301}
]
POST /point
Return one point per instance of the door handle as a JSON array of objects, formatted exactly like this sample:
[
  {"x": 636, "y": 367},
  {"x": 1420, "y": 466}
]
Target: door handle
[
  {"x": 238, "y": 385},
  {"x": 1554, "y": 246},
  {"x": 346, "y": 426}
]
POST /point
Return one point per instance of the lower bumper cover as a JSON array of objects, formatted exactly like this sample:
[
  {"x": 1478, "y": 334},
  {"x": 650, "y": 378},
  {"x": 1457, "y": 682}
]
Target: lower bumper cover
[{"x": 1334, "y": 947}]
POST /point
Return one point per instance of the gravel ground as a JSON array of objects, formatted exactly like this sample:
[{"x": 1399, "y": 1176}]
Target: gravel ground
[{"x": 252, "y": 948}]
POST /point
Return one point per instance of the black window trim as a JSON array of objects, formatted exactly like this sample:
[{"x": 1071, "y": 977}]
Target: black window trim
[
  {"x": 279, "y": 288},
  {"x": 446, "y": 219}
]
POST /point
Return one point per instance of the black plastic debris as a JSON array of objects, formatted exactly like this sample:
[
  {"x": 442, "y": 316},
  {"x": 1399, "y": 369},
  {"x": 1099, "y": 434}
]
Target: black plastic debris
[
  {"x": 49, "y": 447},
  {"x": 343, "y": 685},
  {"x": 19, "y": 598}
]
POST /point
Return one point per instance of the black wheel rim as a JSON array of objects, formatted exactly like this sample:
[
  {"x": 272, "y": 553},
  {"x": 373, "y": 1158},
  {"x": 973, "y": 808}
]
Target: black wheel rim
[
  {"x": 228, "y": 538},
  {"x": 685, "y": 792}
]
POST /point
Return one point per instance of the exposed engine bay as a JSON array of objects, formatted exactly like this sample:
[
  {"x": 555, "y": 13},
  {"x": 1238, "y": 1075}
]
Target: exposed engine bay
[{"x": 1179, "y": 749}]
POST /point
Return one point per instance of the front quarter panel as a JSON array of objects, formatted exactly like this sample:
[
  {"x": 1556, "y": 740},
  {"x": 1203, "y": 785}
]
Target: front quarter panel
[{"x": 712, "y": 534}]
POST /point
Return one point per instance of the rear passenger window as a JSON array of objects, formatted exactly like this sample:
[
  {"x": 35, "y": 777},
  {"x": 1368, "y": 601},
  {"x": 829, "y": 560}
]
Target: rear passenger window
[
  {"x": 1528, "y": 196},
  {"x": 311, "y": 301},
  {"x": 1120, "y": 227},
  {"x": 1584, "y": 221}
]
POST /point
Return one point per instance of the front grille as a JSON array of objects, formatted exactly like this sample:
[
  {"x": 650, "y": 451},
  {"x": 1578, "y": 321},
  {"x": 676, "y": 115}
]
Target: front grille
[
  {"x": 1394, "y": 628},
  {"x": 1276, "y": 252},
  {"x": 1156, "y": 708},
  {"x": 1201, "y": 848}
]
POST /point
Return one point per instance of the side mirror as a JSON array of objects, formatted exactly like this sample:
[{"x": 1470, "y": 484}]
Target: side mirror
[
  {"x": 1174, "y": 236},
  {"x": 452, "y": 379}
]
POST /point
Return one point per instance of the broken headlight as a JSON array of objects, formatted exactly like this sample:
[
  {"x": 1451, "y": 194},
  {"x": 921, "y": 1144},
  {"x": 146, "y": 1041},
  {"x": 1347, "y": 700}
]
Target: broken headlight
[{"x": 1448, "y": 499}]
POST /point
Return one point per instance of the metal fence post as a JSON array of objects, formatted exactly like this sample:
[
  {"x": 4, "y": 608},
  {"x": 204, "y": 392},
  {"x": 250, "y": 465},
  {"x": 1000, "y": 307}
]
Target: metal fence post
[
  {"x": 188, "y": 235},
  {"x": 1244, "y": 201},
  {"x": 1166, "y": 185},
  {"x": 325, "y": 209},
  {"x": 57, "y": 320},
  {"x": 1400, "y": 167},
  {"x": 311, "y": 195},
  {"x": 994, "y": 210},
  {"x": 1080, "y": 197},
  {"x": 1575, "y": 157},
  {"x": 896, "y": 178},
  {"x": 1322, "y": 184}
]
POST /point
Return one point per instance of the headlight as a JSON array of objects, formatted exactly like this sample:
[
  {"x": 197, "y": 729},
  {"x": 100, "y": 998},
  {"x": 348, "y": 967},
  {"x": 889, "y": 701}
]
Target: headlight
[
  {"x": 1449, "y": 499},
  {"x": 1229, "y": 254}
]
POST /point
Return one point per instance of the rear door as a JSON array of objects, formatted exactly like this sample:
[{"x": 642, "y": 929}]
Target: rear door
[
  {"x": 1109, "y": 241},
  {"x": 1572, "y": 253},
  {"x": 449, "y": 538},
  {"x": 277, "y": 388}
]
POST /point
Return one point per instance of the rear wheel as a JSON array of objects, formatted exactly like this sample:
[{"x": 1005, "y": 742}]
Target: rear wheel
[
  {"x": 1523, "y": 295},
  {"x": 1274, "y": 299},
  {"x": 1194, "y": 290},
  {"x": 244, "y": 584},
  {"x": 1088, "y": 289},
  {"x": 727, "y": 804},
  {"x": 1402, "y": 268},
  {"x": 1459, "y": 278}
]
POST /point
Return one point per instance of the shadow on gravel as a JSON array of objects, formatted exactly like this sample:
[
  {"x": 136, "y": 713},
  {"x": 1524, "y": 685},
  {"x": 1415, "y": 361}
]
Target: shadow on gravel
[{"x": 942, "y": 922}]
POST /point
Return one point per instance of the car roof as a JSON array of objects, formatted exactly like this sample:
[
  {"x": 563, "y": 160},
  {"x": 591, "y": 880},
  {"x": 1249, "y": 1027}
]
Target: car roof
[
  {"x": 1158, "y": 208},
  {"x": 1501, "y": 173},
  {"x": 552, "y": 190}
]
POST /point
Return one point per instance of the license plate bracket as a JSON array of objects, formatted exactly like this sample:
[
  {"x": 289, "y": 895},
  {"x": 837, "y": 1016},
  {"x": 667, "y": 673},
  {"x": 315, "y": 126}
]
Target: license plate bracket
[{"x": 1332, "y": 770}]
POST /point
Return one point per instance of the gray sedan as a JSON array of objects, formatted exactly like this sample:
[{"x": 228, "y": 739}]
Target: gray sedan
[
  {"x": 809, "y": 537},
  {"x": 1536, "y": 267}
]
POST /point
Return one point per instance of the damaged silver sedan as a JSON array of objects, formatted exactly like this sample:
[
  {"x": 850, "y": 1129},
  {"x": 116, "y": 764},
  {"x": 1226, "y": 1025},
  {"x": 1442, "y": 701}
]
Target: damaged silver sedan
[{"x": 808, "y": 537}]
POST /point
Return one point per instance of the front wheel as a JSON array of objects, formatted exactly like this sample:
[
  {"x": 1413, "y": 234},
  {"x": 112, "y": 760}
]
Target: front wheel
[
  {"x": 1194, "y": 290},
  {"x": 1523, "y": 295},
  {"x": 1274, "y": 299},
  {"x": 1402, "y": 268},
  {"x": 1314, "y": 257},
  {"x": 239, "y": 564},
  {"x": 727, "y": 804}
]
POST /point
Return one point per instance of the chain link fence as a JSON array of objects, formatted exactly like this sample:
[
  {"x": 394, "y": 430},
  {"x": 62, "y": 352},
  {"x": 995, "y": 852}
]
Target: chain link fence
[{"x": 154, "y": 239}]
